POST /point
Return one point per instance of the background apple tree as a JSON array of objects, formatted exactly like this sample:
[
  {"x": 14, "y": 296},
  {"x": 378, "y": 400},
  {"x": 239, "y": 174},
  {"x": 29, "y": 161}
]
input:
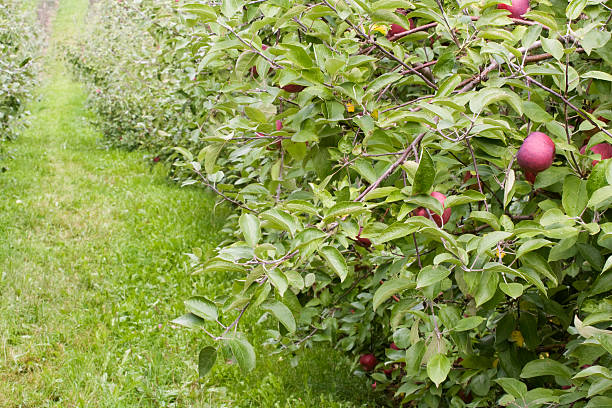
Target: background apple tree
[
  {"x": 19, "y": 44},
  {"x": 371, "y": 153}
]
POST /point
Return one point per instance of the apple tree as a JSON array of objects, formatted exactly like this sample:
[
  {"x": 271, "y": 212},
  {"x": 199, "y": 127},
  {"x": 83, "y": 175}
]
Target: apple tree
[{"x": 425, "y": 185}]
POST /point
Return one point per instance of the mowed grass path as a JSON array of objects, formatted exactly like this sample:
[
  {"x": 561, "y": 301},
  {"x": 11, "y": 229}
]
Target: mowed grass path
[{"x": 92, "y": 270}]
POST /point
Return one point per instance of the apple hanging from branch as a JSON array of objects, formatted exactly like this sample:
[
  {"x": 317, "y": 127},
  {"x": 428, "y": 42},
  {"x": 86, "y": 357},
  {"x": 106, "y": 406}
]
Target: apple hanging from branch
[
  {"x": 603, "y": 149},
  {"x": 535, "y": 155},
  {"x": 517, "y": 8},
  {"x": 425, "y": 213}
]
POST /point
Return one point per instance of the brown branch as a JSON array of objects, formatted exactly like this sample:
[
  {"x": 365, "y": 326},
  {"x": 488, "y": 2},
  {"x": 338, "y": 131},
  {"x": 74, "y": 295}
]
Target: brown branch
[
  {"x": 382, "y": 49},
  {"x": 216, "y": 190},
  {"x": 470, "y": 83},
  {"x": 581, "y": 112},
  {"x": 391, "y": 168}
]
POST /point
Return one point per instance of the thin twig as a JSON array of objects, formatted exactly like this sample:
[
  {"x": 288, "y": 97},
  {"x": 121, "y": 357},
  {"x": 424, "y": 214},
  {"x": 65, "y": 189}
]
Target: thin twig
[{"x": 391, "y": 168}]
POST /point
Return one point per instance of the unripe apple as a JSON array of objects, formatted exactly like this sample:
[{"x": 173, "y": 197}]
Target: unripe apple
[
  {"x": 293, "y": 88},
  {"x": 516, "y": 9},
  {"x": 603, "y": 149},
  {"x": 368, "y": 362},
  {"x": 536, "y": 154},
  {"x": 445, "y": 215}
]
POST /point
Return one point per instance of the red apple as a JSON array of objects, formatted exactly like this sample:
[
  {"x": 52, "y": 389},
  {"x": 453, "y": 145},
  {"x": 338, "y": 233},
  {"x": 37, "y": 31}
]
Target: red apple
[
  {"x": 536, "y": 154},
  {"x": 394, "y": 346},
  {"x": 445, "y": 215},
  {"x": 603, "y": 149},
  {"x": 368, "y": 362},
  {"x": 279, "y": 124},
  {"x": 516, "y": 9},
  {"x": 293, "y": 88},
  {"x": 396, "y": 28}
]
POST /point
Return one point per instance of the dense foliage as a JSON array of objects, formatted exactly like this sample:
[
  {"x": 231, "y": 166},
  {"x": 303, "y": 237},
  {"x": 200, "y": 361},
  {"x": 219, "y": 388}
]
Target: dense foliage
[
  {"x": 18, "y": 46},
  {"x": 380, "y": 201}
]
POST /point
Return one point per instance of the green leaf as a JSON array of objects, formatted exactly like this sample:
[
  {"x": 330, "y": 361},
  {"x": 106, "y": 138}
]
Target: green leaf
[
  {"x": 601, "y": 198},
  {"x": 594, "y": 39},
  {"x": 468, "y": 196},
  {"x": 205, "y": 13},
  {"x": 395, "y": 231},
  {"x": 430, "y": 275},
  {"x": 599, "y": 386},
  {"x": 390, "y": 288},
  {"x": 249, "y": 226},
  {"x": 513, "y": 289},
  {"x": 532, "y": 245},
  {"x": 594, "y": 370},
  {"x": 202, "y": 307},
  {"x": 185, "y": 153},
  {"x": 425, "y": 174},
  {"x": 414, "y": 357},
  {"x": 468, "y": 323},
  {"x": 546, "y": 366},
  {"x": 401, "y": 338},
  {"x": 553, "y": 47},
  {"x": 438, "y": 368},
  {"x": 342, "y": 209},
  {"x": 282, "y": 313},
  {"x": 279, "y": 280},
  {"x": 574, "y": 9},
  {"x": 604, "y": 76},
  {"x": 513, "y": 387},
  {"x": 487, "y": 96},
  {"x": 190, "y": 320},
  {"x": 219, "y": 265},
  {"x": 491, "y": 239},
  {"x": 335, "y": 260},
  {"x": 575, "y": 197},
  {"x": 487, "y": 286},
  {"x": 534, "y": 112},
  {"x": 486, "y": 217},
  {"x": 608, "y": 264},
  {"x": 281, "y": 220},
  {"x": 243, "y": 352},
  {"x": 206, "y": 360},
  {"x": 509, "y": 187}
]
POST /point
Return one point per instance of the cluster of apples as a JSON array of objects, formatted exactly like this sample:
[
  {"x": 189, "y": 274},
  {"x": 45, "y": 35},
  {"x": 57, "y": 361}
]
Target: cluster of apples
[{"x": 537, "y": 153}]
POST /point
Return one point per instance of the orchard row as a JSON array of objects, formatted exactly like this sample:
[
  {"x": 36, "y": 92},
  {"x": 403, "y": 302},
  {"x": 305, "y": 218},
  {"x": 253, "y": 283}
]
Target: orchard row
[{"x": 424, "y": 185}]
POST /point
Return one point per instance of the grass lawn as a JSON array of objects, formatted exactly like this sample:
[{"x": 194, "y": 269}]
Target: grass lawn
[{"x": 92, "y": 269}]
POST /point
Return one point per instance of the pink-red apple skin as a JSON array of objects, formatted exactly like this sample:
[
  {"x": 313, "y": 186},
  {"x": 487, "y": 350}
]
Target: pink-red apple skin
[
  {"x": 368, "y": 362},
  {"x": 445, "y": 215},
  {"x": 603, "y": 149},
  {"x": 293, "y": 88},
  {"x": 516, "y": 9},
  {"x": 536, "y": 154},
  {"x": 397, "y": 29},
  {"x": 279, "y": 124},
  {"x": 394, "y": 346}
]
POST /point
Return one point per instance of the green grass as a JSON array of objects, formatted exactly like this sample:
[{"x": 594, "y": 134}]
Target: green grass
[{"x": 92, "y": 269}]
